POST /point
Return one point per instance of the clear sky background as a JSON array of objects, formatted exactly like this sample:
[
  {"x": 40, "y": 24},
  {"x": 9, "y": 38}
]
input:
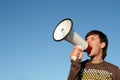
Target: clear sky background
[{"x": 27, "y": 49}]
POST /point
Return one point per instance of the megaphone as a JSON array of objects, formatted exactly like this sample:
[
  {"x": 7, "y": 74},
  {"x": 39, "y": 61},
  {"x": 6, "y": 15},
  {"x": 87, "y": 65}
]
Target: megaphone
[{"x": 64, "y": 31}]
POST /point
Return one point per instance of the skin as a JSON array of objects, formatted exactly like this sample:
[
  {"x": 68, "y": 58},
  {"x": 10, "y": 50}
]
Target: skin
[{"x": 96, "y": 52}]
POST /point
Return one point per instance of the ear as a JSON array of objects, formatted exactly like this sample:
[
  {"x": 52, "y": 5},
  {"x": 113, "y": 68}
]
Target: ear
[{"x": 103, "y": 44}]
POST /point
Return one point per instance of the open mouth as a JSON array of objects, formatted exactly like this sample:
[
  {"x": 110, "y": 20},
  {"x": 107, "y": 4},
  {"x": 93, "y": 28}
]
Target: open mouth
[{"x": 89, "y": 51}]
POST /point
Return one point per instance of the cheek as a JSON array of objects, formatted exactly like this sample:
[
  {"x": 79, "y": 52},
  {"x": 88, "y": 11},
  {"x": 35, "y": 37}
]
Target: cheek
[
  {"x": 95, "y": 47},
  {"x": 93, "y": 44},
  {"x": 95, "y": 50}
]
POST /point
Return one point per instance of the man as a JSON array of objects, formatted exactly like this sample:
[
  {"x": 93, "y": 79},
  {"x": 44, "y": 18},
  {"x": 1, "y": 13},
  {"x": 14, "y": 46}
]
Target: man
[{"x": 95, "y": 68}]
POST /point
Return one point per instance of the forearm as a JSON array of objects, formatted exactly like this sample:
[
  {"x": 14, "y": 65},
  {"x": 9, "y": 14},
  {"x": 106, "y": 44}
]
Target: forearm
[{"x": 74, "y": 69}]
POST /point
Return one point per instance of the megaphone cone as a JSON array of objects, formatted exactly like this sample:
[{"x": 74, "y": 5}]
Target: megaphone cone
[{"x": 64, "y": 31}]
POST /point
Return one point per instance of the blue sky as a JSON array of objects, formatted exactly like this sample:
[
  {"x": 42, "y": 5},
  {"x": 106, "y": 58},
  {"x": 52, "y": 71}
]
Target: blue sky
[{"x": 27, "y": 49}]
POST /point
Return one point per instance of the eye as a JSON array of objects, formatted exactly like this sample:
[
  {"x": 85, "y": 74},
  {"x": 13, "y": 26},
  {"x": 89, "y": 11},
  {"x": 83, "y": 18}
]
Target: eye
[
  {"x": 86, "y": 39},
  {"x": 92, "y": 38}
]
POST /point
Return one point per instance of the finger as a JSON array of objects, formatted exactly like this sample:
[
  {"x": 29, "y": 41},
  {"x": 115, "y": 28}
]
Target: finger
[
  {"x": 80, "y": 55},
  {"x": 77, "y": 48}
]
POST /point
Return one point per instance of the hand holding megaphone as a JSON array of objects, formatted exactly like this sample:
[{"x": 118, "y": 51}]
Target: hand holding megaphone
[
  {"x": 77, "y": 53},
  {"x": 64, "y": 31}
]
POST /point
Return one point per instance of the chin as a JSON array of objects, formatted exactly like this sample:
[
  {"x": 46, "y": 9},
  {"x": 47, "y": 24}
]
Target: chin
[{"x": 90, "y": 55}]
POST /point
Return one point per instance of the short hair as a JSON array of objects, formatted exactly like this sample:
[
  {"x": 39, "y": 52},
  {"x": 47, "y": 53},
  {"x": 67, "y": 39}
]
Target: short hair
[{"x": 102, "y": 37}]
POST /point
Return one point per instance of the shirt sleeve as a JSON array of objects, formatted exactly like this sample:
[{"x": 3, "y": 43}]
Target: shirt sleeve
[
  {"x": 74, "y": 69},
  {"x": 118, "y": 74}
]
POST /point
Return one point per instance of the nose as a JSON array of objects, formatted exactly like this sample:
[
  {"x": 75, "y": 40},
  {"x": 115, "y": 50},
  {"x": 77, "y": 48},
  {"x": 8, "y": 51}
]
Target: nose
[{"x": 88, "y": 41}]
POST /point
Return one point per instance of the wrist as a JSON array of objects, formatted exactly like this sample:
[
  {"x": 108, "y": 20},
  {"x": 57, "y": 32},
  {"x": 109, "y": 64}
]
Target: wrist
[{"x": 74, "y": 58}]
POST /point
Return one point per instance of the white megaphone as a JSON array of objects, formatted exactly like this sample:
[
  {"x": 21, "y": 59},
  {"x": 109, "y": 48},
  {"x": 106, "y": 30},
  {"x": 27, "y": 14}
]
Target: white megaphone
[{"x": 64, "y": 31}]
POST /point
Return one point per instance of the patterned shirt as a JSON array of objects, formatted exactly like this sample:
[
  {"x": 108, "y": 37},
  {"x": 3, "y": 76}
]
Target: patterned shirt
[{"x": 88, "y": 71}]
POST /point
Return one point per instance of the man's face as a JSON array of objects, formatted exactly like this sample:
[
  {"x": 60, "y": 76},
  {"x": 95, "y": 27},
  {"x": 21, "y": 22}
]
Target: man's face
[{"x": 94, "y": 42}]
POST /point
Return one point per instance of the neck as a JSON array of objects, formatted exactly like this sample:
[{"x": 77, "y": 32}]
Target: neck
[{"x": 96, "y": 60}]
